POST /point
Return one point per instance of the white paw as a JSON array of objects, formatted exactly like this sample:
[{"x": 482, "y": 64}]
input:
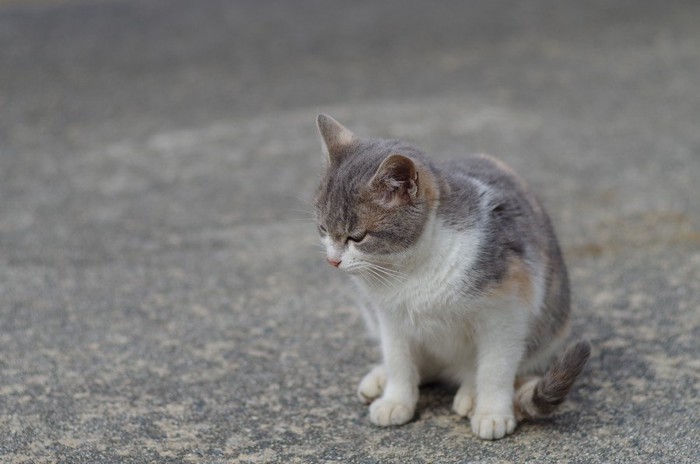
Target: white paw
[
  {"x": 372, "y": 385},
  {"x": 464, "y": 402},
  {"x": 492, "y": 426},
  {"x": 384, "y": 412}
]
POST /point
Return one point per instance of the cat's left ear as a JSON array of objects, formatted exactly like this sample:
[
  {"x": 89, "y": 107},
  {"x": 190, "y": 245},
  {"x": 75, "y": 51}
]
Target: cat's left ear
[
  {"x": 396, "y": 181},
  {"x": 337, "y": 139}
]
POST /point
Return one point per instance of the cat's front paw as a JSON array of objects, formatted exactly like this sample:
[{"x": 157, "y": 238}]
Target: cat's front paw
[
  {"x": 386, "y": 412},
  {"x": 372, "y": 385},
  {"x": 492, "y": 426},
  {"x": 464, "y": 402}
]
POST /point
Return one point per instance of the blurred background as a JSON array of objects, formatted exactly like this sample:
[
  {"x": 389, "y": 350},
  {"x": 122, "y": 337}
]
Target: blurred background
[{"x": 161, "y": 297}]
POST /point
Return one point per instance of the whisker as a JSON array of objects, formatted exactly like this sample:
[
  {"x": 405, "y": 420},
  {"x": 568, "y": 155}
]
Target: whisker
[
  {"x": 302, "y": 220},
  {"x": 390, "y": 270},
  {"x": 302, "y": 214},
  {"x": 390, "y": 263},
  {"x": 393, "y": 280},
  {"x": 305, "y": 211},
  {"x": 361, "y": 270},
  {"x": 298, "y": 198},
  {"x": 392, "y": 273},
  {"x": 379, "y": 261},
  {"x": 387, "y": 283},
  {"x": 373, "y": 276}
]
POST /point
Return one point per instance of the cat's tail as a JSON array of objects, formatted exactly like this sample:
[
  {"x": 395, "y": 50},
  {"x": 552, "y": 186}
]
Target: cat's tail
[{"x": 540, "y": 396}]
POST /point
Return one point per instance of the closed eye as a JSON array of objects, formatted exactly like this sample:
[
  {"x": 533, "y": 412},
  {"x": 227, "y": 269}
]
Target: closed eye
[
  {"x": 357, "y": 238},
  {"x": 322, "y": 229}
]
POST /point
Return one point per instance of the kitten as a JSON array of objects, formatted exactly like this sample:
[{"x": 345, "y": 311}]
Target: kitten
[{"x": 461, "y": 276}]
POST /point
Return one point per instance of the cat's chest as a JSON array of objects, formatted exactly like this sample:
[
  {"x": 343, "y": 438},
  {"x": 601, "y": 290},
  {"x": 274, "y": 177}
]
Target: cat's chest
[
  {"x": 438, "y": 282},
  {"x": 428, "y": 292}
]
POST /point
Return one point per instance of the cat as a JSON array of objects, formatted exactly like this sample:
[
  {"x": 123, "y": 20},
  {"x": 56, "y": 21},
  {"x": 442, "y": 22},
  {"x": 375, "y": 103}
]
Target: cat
[{"x": 460, "y": 275}]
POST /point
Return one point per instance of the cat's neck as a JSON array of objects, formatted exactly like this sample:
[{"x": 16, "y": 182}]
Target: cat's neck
[{"x": 442, "y": 256}]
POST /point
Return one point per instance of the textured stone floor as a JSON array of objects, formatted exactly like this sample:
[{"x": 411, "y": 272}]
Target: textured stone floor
[{"x": 161, "y": 296}]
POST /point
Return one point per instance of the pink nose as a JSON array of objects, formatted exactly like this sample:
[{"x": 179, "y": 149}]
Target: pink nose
[{"x": 333, "y": 262}]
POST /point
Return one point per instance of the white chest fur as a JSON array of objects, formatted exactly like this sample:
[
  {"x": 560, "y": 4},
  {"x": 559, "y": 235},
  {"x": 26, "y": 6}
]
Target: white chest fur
[{"x": 433, "y": 276}]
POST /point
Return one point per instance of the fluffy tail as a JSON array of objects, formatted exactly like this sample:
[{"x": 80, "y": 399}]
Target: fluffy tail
[{"x": 541, "y": 396}]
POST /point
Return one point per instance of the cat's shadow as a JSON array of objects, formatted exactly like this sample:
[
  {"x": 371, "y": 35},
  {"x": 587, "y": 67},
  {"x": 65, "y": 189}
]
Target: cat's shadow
[{"x": 435, "y": 398}]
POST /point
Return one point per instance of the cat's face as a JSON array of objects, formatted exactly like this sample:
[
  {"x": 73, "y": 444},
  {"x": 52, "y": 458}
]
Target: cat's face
[{"x": 372, "y": 203}]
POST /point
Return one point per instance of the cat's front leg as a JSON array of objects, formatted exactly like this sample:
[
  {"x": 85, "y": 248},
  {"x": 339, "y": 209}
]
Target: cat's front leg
[
  {"x": 500, "y": 347},
  {"x": 397, "y": 404},
  {"x": 465, "y": 399},
  {"x": 372, "y": 384}
]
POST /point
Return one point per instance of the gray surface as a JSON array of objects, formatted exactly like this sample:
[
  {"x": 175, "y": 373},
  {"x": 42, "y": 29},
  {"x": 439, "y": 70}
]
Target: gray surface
[{"x": 161, "y": 296}]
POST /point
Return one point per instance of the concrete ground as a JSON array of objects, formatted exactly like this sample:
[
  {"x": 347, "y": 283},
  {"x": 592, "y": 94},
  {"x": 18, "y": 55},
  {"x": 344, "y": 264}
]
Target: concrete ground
[{"x": 161, "y": 296}]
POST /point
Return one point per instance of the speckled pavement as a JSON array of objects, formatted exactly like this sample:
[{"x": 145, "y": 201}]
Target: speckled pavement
[{"x": 161, "y": 295}]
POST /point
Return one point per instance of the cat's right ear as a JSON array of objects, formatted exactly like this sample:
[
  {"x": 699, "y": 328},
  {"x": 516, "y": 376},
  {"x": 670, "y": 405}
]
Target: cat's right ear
[{"x": 336, "y": 138}]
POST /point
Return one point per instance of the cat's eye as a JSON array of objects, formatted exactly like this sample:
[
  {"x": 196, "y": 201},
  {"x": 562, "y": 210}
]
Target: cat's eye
[
  {"x": 357, "y": 238},
  {"x": 322, "y": 229}
]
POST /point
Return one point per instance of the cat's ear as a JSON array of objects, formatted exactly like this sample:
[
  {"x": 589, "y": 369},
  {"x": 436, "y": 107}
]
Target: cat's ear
[
  {"x": 336, "y": 137},
  {"x": 396, "y": 181}
]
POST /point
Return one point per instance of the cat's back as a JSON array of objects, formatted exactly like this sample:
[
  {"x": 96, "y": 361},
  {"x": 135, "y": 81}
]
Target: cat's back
[
  {"x": 479, "y": 172},
  {"x": 484, "y": 188},
  {"x": 485, "y": 196}
]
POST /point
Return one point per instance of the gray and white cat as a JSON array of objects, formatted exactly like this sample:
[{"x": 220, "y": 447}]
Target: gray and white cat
[{"x": 461, "y": 278}]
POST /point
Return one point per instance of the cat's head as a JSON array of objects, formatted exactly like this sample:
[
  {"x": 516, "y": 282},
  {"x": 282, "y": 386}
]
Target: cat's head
[{"x": 374, "y": 198}]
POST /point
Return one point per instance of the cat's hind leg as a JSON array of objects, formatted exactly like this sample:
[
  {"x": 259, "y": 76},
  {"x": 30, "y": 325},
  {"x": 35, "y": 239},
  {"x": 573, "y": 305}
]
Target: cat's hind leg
[{"x": 372, "y": 384}]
